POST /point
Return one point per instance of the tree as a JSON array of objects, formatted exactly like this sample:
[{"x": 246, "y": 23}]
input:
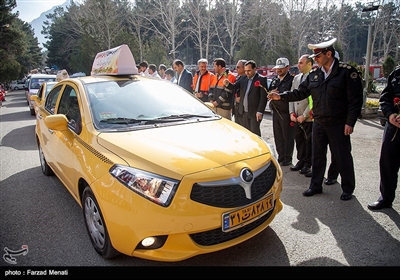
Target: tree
[{"x": 388, "y": 65}]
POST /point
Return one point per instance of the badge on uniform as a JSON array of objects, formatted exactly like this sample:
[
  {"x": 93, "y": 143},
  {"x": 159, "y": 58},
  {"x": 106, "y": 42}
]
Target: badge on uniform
[{"x": 354, "y": 75}]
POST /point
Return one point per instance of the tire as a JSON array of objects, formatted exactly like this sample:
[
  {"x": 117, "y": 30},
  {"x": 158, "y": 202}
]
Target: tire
[
  {"x": 43, "y": 163},
  {"x": 95, "y": 226},
  {"x": 32, "y": 112}
]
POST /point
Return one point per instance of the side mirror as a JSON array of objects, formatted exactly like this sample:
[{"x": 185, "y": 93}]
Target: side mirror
[{"x": 57, "y": 122}]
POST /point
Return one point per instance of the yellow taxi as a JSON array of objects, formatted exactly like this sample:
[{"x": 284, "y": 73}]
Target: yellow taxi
[
  {"x": 159, "y": 175},
  {"x": 41, "y": 95}
]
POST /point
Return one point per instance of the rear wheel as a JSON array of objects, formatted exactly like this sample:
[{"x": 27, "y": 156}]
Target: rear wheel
[
  {"x": 43, "y": 163},
  {"x": 95, "y": 226}
]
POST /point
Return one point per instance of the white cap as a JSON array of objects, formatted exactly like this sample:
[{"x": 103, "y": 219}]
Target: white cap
[
  {"x": 320, "y": 47},
  {"x": 282, "y": 62}
]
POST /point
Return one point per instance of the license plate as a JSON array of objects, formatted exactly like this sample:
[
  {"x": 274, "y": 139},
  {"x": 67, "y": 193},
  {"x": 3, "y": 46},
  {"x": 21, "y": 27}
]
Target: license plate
[{"x": 243, "y": 216}]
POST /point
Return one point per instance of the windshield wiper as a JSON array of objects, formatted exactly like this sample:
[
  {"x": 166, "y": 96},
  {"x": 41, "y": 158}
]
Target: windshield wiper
[
  {"x": 182, "y": 116},
  {"x": 121, "y": 121}
]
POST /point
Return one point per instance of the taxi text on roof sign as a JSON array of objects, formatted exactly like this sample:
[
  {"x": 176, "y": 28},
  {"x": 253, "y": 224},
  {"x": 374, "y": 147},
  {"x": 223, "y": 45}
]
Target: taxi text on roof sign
[{"x": 116, "y": 61}]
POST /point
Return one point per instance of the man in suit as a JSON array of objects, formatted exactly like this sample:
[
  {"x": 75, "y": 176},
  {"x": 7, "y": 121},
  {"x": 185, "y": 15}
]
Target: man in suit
[
  {"x": 300, "y": 115},
  {"x": 236, "y": 98},
  {"x": 185, "y": 78},
  {"x": 252, "y": 96}
]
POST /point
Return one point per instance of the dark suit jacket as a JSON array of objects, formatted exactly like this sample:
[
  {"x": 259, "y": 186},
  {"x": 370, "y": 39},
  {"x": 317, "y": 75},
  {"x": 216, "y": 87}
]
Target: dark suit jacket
[
  {"x": 186, "y": 80},
  {"x": 257, "y": 97}
]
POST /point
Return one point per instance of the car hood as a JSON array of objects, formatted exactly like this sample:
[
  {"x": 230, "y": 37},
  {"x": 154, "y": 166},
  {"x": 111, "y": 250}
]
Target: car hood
[{"x": 185, "y": 149}]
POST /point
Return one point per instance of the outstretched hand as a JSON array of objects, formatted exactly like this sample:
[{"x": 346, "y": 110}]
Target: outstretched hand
[{"x": 274, "y": 95}]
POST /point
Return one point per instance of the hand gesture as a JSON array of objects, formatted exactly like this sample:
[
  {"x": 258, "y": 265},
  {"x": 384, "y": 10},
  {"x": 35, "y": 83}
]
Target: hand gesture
[
  {"x": 226, "y": 82},
  {"x": 274, "y": 95}
]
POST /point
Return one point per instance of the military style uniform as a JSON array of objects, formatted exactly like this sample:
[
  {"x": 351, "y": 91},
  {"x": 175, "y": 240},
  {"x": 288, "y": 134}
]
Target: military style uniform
[
  {"x": 389, "y": 162},
  {"x": 283, "y": 132},
  {"x": 337, "y": 101}
]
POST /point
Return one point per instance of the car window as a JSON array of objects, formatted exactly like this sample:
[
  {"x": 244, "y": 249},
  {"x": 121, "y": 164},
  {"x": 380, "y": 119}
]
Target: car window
[
  {"x": 69, "y": 106},
  {"x": 35, "y": 83},
  {"x": 51, "y": 100},
  {"x": 40, "y": 93},
  {"x": 141, "y": 100}
]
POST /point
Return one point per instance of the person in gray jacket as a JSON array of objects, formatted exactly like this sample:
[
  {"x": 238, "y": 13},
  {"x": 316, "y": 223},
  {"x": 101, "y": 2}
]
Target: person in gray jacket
[{"x": 300, "y": 116}]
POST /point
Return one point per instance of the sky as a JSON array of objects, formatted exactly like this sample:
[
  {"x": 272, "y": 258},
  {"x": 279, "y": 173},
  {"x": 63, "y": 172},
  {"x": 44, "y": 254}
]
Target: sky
[{"x": 31, "y": 9}]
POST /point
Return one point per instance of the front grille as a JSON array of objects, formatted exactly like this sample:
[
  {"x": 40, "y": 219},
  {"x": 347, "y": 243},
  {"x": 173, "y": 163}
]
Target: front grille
[
  {"x": 228, "y": 196},
  {"x": 217, "y": 236}
]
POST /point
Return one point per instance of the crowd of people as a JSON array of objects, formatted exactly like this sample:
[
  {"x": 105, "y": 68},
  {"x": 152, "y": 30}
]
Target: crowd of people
[{"x": 311, "y": 111}]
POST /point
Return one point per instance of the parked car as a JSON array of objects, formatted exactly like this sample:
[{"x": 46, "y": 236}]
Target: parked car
[
  {"x": 34, "y": 83},
  {"x": 17, "y": 85},
  {"x": 39, "y": 98},
  {"x": 159, "y": 174}
]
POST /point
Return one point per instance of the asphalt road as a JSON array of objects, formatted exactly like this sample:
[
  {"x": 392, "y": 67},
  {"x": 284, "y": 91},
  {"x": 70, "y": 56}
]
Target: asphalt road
[{"x": 319, "y": 231}]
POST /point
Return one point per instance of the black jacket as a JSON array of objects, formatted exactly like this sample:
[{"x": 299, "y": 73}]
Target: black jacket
[
  {"x": 257, "y": 96},
  {"x": 391, "y": 91},
  {"x": 282, "y": 86},
  {"x": 336, "y": 99},
  {"x": 186, "y": 80}
]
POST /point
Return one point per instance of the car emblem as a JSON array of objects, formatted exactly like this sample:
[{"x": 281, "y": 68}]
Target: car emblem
[{"x": 246, "y": 175}]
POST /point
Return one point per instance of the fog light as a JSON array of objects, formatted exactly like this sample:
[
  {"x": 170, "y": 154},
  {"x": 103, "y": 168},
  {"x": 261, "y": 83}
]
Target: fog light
[
  {"x": 152, "y": 242},
  {"x": 148, "y": 241}
]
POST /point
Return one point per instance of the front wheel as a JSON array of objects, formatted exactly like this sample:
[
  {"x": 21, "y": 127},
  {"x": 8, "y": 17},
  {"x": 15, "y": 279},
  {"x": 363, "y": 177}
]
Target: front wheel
[{"x": 95, "y": 226}]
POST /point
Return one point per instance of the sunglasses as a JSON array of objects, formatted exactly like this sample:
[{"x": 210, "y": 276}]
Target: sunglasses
[{"x": 319, "y": 54}]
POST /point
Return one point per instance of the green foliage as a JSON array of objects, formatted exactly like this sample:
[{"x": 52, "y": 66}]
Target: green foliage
[{"x": 388, "y": 65}]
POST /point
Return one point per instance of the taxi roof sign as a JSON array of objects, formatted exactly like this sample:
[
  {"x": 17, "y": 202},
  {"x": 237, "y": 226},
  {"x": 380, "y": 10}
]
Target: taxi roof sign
[{"x": 115, "y": 61}]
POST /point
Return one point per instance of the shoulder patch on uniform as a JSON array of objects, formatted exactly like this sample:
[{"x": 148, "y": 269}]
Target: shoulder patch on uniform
[
  {"x": 313, "y": 70},
  {"x": 354, "y": 75}
]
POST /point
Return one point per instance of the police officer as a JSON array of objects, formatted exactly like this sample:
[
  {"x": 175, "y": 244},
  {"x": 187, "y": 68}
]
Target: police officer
[
  {"x": 337, "y": 93},
  {"x": 283, "y": 131},
  {"x": 389, "y": 162}
]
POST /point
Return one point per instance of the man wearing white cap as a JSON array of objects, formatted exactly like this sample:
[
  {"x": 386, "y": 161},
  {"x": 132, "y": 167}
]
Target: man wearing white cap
[
  {"x": 337, "y": 93},
  {"x": 283, "y": 131}
]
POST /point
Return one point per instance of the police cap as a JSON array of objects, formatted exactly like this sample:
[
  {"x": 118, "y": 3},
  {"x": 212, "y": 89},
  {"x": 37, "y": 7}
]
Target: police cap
[{"x": 321, "y": 47}]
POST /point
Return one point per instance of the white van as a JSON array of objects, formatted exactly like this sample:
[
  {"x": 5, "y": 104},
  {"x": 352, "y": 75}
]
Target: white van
[{"x": 35, "y": 81}]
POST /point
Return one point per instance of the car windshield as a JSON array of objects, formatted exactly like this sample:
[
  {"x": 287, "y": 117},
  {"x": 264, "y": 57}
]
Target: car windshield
[{"x": 129, "y": 103}]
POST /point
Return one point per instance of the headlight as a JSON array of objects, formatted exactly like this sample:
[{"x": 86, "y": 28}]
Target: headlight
[{"x": 156, "y": 188}]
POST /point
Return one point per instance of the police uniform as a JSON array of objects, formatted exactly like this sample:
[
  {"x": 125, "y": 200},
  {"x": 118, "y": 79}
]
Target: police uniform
[
  {"x": 337, "y": 101},
  {"x": 283, "y": 131},
  {"x": 389, "y": 162}
]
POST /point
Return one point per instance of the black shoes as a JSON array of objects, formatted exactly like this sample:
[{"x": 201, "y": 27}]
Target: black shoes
[
  {"x": 329, "y": 181},
  {"x": 286, "y": 163},
  {"x": 346, "y": 196},
  {"x": 378, "y": 205},
  {"x": 309, "y": 174},
  {"x": 311, "y": 192},
  {"x": 299, "y": 165},
  {"x": 305, "y": 170}
]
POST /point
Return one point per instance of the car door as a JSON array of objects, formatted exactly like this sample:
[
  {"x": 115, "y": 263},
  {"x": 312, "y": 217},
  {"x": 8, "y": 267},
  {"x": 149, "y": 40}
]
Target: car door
[{"x": 61, "y": 143}]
